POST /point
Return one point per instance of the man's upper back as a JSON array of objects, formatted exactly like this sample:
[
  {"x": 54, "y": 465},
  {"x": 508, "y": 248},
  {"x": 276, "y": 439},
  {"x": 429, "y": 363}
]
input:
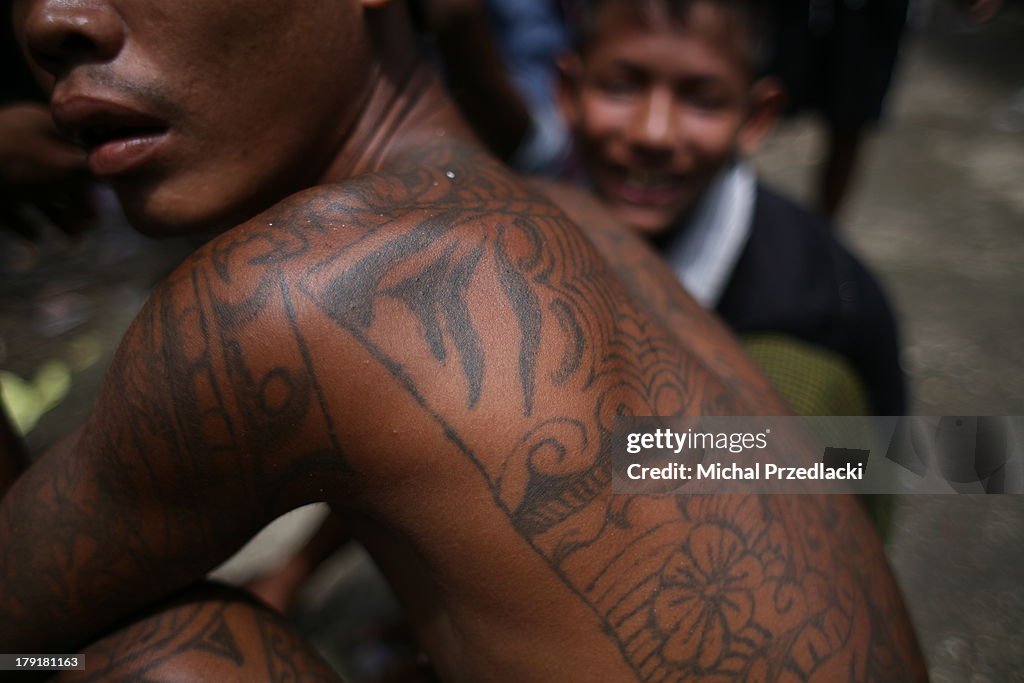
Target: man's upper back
[{"x": 439, "y": 352}]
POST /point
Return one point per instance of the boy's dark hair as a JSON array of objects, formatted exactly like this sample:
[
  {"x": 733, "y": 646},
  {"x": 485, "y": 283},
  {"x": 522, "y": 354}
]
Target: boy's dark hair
[{"x": 753, "y": 17}]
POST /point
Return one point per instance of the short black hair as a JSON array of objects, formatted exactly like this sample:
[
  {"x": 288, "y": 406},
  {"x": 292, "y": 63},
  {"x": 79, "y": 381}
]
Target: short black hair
[{"x": 753, "y": 17}]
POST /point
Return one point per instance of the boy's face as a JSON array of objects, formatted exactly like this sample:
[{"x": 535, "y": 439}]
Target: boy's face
[
  {"x": 658, "y": 107},
  {"x": 200, "y": 112}
]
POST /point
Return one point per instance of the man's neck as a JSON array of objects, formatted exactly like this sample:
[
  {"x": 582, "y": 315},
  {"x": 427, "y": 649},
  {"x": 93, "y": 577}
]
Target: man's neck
[{"x": 404, "y": 110}]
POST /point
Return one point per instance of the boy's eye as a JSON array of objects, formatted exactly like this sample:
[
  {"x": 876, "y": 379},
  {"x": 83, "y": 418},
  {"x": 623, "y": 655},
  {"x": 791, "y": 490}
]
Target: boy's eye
[
  {"x": 708, "y": 100},
  {"x": 620, "y": 81},
  {"x": 618, "y": 86}
]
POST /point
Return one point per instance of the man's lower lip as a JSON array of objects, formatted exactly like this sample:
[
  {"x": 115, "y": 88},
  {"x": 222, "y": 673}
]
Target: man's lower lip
[{"x": 123, "y": 154}]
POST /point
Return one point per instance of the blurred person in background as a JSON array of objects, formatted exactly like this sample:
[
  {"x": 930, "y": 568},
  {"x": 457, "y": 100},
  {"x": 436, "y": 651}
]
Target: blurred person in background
[
  {"x": 808, "y": 311},
  {"x": 498, "y": 61},
  {"x": 837, "y": 59},
  {"x": 667, "y": 100}
]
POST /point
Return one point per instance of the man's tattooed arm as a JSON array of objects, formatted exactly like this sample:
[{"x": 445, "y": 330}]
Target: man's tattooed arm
[{"x": 199, "y": 438}]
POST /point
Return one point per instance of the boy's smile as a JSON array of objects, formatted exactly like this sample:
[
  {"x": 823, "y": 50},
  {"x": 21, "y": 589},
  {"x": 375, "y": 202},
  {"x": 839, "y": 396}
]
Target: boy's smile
[{"x": 658, "y": 108}]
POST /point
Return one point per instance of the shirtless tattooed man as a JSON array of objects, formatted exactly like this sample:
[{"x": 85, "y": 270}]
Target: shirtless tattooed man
[{"x": 399, "y": 326}]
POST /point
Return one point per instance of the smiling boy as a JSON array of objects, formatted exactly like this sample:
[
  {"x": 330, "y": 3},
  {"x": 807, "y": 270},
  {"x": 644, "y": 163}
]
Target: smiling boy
[{"x": 666, "y": 102}]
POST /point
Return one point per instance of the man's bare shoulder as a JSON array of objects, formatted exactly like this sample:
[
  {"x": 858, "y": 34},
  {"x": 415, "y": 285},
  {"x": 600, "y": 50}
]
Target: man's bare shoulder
[
  {"x": 443, "y": 287},
  {"x": 438, "y": 193},
  {"x": 583, "y": 208},
  {"x": 654, "y": 286}
]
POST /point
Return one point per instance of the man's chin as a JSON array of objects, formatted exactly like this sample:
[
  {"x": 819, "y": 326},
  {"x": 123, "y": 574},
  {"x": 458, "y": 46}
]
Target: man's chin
[
  {"x": 152, "y": 220},
  {"x": 153, "y": 226}
]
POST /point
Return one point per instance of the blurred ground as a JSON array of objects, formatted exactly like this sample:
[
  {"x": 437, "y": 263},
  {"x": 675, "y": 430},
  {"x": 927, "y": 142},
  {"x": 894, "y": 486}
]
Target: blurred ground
[
  {"x": 939, "y": 210},
  {"x": 938, "y": 213}
]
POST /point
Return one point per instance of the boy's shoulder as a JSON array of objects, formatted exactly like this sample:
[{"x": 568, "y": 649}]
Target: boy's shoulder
[
  {"x": 778, "y": 217},
  {"x": 795, "y": 275},
  {"x": 800, "y": 247}
]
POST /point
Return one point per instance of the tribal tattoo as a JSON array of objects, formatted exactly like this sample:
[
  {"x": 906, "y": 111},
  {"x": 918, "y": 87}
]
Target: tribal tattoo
[
  {"x": 482, "y": 304},
  {"x": 211, "y": 633}
]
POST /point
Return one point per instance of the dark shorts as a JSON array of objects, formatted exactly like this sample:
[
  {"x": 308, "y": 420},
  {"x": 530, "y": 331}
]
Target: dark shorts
[{"x": 837, "y": 56}]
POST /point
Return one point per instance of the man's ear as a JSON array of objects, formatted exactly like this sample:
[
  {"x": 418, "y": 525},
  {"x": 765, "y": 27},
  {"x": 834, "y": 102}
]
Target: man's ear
[
  {"x": 569, "y": 72},
  {"x": 767, "y": 100}
]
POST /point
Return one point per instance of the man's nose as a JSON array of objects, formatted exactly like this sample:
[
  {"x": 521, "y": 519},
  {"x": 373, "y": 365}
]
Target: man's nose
[
  {"x": 61, "y": 34},
  {"x": 653, "y": 127}
]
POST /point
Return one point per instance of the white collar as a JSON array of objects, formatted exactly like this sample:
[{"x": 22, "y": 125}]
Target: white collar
[{"x": 704, "y": 252}]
